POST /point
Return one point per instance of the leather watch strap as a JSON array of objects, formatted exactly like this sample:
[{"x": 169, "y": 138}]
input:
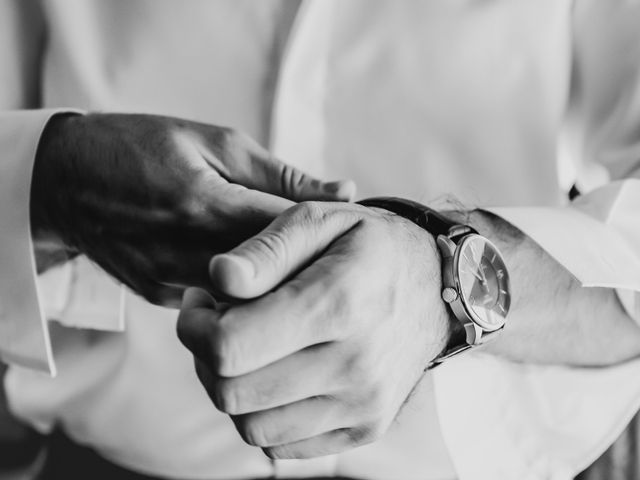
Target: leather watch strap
[
  {"x": 447, "y": 353},
  {"x": 419, "y": 214},
  {"x": 457, "y": 343}
]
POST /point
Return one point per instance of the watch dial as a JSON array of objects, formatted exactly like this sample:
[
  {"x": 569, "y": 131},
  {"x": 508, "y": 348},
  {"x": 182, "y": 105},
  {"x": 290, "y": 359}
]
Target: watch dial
[{"x": 483, "y": 281}]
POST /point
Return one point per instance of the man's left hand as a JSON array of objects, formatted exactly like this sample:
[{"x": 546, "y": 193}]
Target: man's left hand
[{"x": 347, "y": 314}]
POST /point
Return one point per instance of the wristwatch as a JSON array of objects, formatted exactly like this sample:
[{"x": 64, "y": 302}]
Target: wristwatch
[{"x": 475, "y": 281}]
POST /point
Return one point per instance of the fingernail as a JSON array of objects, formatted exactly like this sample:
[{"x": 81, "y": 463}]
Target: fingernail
[
  {"x": 231, "y": 274},
  {"x": 234, "y": 265}
]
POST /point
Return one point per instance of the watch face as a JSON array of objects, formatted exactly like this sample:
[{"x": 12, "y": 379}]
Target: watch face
[{"x": 483, "y": 282}]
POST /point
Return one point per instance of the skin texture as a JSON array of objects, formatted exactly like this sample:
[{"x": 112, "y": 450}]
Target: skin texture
[
  {"x": 150, "y": 199},
  {"x": 325, "y": 361},
  {"x": 346, "y": 313},
  {"x": 553, "y": 319}
]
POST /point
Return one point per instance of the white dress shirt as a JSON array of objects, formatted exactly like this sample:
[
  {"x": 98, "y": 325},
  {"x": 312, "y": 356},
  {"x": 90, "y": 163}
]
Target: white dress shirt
[{"x": 501, "y": 103}]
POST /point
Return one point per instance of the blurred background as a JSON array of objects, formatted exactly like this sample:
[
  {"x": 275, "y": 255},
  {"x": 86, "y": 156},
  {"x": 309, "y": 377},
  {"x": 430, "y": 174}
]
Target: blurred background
[{"x": 22, "y": 450}]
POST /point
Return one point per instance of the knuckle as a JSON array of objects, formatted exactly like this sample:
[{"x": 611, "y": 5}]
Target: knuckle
[
  {"x": 341, "y": 312},
  {"x": 230, "y": 140},
  {"x": 280, "y": 452},
  {"x": 223, "y": 351},
  {"x": 271, "y": 244},
  {"x": 253, "y": 431},
  {"x": 357, "y": 436},
  {"x": 340, "y": 315},
  {"x": 370, "y": 394},
  {"x": 192, "y": 207},
  {"x": 184, "y": 328},
  {"x": 193, "y": 330},
  {"x": 366, "y": 433},
  {"x": 293, "y": 180},
  {"x": 226, "y": 397},
  {"x": 378, "y": 398},
  {"x": 376, "y": 404},
  {"x": 322, "y": 320},
  {"x": 309, "y": 212},
  {"x": 270, "y": 247},
  {"x": 361, "y": 369}
]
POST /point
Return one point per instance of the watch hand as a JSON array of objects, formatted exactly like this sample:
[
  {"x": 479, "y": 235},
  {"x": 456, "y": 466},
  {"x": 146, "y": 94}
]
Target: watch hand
[
  {"x": 486, "y": 300},
  {"x": 483, "y": 279},
  {"x": 475, "y": 274}
]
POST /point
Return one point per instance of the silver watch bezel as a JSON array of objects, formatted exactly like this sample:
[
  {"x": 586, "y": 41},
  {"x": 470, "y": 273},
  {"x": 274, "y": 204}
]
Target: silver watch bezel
[{"x": 476, "y": 328}]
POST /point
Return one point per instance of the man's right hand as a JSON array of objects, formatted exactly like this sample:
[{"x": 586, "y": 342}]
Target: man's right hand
[{"x": 151, "y": 199}]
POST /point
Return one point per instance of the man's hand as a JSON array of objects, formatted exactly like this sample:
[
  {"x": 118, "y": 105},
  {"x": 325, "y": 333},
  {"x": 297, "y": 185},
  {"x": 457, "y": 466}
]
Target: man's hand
[
  {"x": 323, "y": 362},
  {"x": 151, "y": 199}
]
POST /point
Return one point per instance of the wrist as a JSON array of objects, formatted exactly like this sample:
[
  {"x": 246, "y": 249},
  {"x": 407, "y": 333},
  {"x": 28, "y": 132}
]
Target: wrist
[
  {"x": 445, "y": 329},
  {"x": 443, "y": 326},
  {"x": 470, "y": 323},
  {"x": 474, "y": 277},
  {"x": 502, "y": 234},
  {"x": 450, "y": 331}
]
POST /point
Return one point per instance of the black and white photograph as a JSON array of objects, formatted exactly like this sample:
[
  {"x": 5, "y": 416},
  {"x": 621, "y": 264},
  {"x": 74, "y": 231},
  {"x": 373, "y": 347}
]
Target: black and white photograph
[{"x": 319, "y": 239}]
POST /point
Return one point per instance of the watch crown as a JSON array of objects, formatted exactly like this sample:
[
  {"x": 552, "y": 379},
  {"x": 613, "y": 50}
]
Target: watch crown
[{"x": 449, "y": 294}]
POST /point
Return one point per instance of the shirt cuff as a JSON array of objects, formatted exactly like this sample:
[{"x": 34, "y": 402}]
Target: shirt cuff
[
  {"x": 79, "y": 294},
  {"x": 24, "y": 335}
]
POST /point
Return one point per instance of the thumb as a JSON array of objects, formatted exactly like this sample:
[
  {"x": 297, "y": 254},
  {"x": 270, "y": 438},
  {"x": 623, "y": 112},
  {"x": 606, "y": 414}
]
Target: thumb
[
  {"x": 254, "y": 167},
  {"x": 289, "y": 243}
]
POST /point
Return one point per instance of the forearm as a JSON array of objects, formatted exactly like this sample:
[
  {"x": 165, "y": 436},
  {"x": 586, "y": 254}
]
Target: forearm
[{"x": 554, "y": 319}]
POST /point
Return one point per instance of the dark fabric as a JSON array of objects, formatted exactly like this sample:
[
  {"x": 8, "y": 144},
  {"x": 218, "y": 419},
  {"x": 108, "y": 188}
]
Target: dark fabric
[
  {"x": 19, "y": 444},
  {"x": 66, "y": 460},
  {"x": 69, "y": 461},
  {"x": 622, "y": 460},
  {"x": 574, "y": 192}
]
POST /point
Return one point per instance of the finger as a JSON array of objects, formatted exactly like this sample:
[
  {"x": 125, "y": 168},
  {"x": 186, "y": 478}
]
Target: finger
[
  {"x": 251, "y": 165},
  {"x": 247, "y": 205},
  {"x": 292, "y": 423},
  {"x": 196, "y": 328},
  {"x": 197, "y": 298},
  {"x": 312, "y": 309},
  {"x": 329, "y": 443},
  {"x": 302, "y": 375},
  {"x": 274, "y": 176},
  {"x": 293, "y": 240}
]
